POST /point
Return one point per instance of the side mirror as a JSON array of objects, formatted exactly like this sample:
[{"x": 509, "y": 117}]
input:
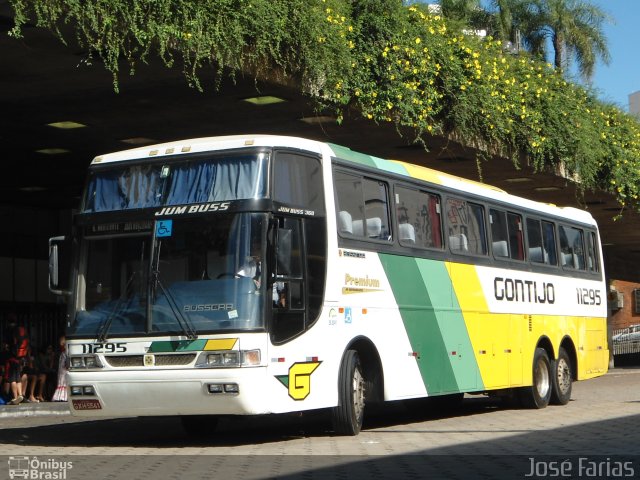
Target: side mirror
[{"x": 56, "y": 244}]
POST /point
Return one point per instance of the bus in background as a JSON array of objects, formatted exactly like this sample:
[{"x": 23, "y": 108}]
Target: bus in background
[{"x": 257, "y": 274}]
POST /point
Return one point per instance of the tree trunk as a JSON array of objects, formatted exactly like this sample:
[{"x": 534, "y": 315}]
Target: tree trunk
[{"x": 558, "y": 46}]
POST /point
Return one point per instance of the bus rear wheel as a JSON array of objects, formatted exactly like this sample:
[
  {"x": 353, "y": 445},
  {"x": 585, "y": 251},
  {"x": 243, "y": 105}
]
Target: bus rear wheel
[
  {"x": 538, "y": 394},
  {"x": 562, "y": 379},
  {"x": 347, "y": 417},
  {"x": 199, "y": 426}
]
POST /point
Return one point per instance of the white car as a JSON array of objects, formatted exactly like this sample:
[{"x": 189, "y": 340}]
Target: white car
[{"x": 630, "y": 334}]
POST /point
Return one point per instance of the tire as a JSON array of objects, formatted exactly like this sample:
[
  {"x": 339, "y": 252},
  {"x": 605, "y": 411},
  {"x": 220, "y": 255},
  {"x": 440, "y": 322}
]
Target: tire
[
  {"x": 347, "y": 417},
  {"x": 538, "y": 395},
  {"x": 562, "y": 379},
  {"x": 199, "y": 426}
]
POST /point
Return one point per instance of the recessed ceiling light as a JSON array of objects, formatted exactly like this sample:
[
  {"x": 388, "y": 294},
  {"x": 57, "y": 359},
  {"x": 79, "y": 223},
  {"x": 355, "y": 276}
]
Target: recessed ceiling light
[
  {"x": 547, "y": 189},
  {"x": 138, "y": 140},
  {"x": 319, "y": 119},
  {"x": 264, "y": 100},
  {"x": 66, "y": 125},
  {"x": 518, "y": 180},
  {"x": 53, "y": 151}
]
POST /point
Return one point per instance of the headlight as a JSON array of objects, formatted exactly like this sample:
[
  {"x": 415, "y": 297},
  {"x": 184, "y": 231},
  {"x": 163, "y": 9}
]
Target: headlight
[
  {"x": 90, "y": 362},
  {"x": 77, "y": 390},
  {"x": 214, "y": 360},
  {"x": 250, "y": 357},
  {"x": 84, "y": 361},
  {"x": 231, "y": 359},
  {"x": 77, "y": 362}
]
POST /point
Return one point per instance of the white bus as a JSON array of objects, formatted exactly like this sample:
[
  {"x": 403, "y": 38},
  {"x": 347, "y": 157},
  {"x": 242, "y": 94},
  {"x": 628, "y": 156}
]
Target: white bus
[{"x": 257, "y": 274}]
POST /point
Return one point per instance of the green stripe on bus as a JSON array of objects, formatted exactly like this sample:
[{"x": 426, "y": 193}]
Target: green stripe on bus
[
  {"x": 345, "y": 153},
  {"x": 452, "y": 324},
  {"x": 177, "y": 346},
  {"x": 434, "y": 323},
  {"x": 391, "y": 167}
]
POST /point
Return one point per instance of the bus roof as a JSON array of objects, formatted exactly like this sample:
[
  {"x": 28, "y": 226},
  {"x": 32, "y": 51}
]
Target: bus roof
[{"x": 429, "y": 175}]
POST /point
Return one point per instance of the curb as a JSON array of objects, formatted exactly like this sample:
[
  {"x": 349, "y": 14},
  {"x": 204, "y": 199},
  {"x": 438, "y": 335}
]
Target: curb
[{"x": 34, "y": 409}]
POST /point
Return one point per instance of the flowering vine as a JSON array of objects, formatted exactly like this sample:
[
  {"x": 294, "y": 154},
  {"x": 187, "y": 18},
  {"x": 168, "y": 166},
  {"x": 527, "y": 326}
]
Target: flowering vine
[{"x": 379, "y": 58}]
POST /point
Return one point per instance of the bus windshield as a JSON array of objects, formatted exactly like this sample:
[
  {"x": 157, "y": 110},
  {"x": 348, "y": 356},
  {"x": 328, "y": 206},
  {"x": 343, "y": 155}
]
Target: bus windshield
[
  {"x": 204, "y": 275},
  {"x": 198, "y": 180}
]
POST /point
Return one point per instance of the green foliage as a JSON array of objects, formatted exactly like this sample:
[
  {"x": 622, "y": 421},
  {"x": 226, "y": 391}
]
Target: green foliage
[{"x": 386, "y": 61}]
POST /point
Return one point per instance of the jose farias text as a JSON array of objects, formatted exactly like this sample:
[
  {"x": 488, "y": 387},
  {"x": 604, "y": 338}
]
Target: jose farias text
[{"x": 581, "y": 467}]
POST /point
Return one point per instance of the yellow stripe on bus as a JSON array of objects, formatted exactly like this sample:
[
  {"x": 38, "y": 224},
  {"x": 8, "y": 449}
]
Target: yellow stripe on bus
[
  {"x": 221, "y": 344},
  {"x": 504, "y": 343}
]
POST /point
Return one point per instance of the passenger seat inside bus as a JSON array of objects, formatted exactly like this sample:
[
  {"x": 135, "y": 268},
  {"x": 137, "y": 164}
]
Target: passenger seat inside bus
[
  {"x": 345, "y": 224},
  {"x": 407, "y": 233},
  {"x": 500, "y": 249},
  {"x": 374, "y": 228},
  {"x": 538, "y": 255},
  {"x": 459, "y": 242}
]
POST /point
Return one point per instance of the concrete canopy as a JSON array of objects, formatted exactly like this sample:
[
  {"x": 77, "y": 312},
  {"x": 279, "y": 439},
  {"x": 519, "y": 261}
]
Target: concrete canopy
[{"x": 44, "y": 81}]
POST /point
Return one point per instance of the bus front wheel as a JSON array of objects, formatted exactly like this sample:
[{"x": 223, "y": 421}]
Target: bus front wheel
[
  {"x": 562, "y": 379},
  {"x": 347, "y": 417},
  {"x": 538, "y": 394}
]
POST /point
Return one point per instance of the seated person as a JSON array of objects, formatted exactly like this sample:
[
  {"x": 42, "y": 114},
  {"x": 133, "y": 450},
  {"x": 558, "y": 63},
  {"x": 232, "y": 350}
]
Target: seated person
[{"x": 251, "y": 269}]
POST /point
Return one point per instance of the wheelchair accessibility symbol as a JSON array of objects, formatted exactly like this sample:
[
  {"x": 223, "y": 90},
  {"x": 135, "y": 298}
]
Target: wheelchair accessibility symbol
[{"x": 163, "y": 228}]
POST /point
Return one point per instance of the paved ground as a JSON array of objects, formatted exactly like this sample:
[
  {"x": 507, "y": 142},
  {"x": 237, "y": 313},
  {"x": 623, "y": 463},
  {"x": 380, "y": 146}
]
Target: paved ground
[{"x": 481, "y": 438}]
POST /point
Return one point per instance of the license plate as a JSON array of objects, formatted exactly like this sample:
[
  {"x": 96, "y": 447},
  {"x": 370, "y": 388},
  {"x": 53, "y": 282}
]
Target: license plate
[{"x": 87, "y": 404}]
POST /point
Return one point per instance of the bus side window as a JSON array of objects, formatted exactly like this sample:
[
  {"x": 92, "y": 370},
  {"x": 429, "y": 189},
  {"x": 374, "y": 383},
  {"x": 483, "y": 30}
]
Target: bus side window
[
  {"x": 467, "y": 229},
  {"x": 499, "y": 234},
  {"x": 287, "y": 283},
  {"x": 572, "y": 247},
  {"x": 419, "y": 220},
  {"x": 549, "y": 241},
  {"x": 541, "y": 240},
  {"x": 516, "y": 240},
  {"x": 593, "y": 265},
  {"x": 363, "y": 207},
  {"x": 376, "y": 210},
  {"x": 297, "y": 180},
  {"x": 349, "y": 199},
  {"x": 537, "y": 253},
  {"x": 506, "y": 234}
]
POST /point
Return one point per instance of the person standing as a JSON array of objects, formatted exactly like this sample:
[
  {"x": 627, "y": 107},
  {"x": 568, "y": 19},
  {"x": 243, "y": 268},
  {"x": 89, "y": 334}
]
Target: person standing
[
  {"x": 60, "y": 395},
  {"x": 19, "y": 349}
]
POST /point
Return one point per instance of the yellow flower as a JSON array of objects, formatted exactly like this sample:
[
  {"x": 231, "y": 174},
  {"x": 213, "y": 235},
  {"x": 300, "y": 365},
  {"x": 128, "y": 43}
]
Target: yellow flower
[{"x": 418, "y": 40}]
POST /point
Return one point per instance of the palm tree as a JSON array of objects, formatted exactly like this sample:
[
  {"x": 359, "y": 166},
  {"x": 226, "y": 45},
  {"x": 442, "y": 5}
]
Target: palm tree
[
  {"x": 574, "y": 28},
  {"x": 463, "y": 13}
]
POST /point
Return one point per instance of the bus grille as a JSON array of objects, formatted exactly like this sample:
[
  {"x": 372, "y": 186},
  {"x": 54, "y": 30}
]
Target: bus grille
[{"x": 160, "y": 360}]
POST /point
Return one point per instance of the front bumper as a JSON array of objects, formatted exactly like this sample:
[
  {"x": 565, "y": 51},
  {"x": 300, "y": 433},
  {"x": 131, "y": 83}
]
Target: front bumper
[{"x": 171, "y": 392}]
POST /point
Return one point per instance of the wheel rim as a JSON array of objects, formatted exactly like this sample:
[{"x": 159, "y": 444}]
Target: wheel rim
[
  {"x": 358, "y": 393},
  {"x": 564, "y": 376},
  {"x": 542, "y": 378}
]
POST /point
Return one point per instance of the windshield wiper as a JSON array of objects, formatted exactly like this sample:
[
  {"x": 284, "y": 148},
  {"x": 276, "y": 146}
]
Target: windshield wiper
[
  {"x": 183, "y": 320},
  {"x": 106, "y": 325}
]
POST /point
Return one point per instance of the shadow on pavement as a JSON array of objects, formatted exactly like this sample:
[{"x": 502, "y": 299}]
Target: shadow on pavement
[{"x": 232, "y": 431}]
